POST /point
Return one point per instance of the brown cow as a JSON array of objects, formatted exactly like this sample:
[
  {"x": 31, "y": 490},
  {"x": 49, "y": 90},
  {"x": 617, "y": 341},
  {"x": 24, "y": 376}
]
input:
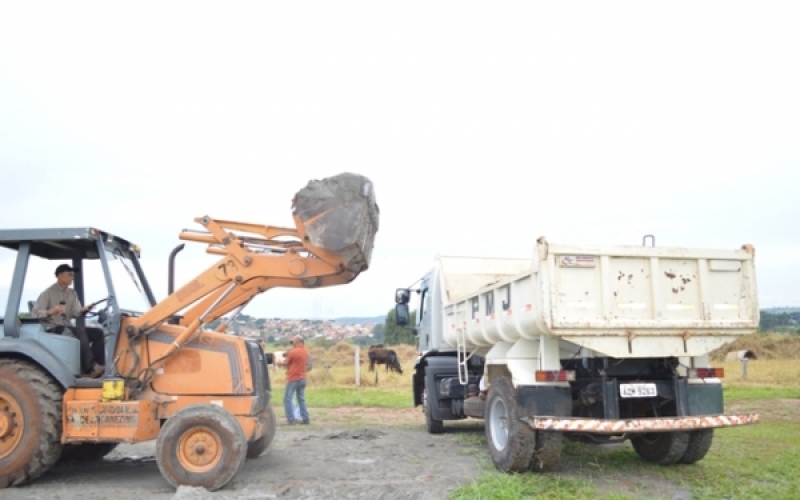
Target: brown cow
[{"x": 380, "y": 355}]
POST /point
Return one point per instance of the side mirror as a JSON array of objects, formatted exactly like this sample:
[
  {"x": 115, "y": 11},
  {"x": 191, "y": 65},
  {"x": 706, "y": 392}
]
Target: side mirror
[
  {"x": 402, "y": 295},
  {"x": 401, "y": 314}
]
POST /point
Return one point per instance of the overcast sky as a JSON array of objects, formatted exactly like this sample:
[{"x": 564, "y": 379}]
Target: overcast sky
[{"x": 482, "y": 125}]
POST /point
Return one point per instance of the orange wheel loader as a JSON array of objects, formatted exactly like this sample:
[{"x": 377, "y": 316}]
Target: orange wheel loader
[{"x": 203, "y": 396}]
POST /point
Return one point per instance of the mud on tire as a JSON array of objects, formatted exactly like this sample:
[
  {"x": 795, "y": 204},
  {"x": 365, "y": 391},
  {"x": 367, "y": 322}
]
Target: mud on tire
[
  {"x": 547, "y": 451},
  {"x": 511, "y": 442},
  {"x": 31, "y": 402},
  {"x": 260, "y": 445},
  {"x": 663, "y": 448},
  {"x": 434, "y": 426},
  {"x": 699, "y": 444}
]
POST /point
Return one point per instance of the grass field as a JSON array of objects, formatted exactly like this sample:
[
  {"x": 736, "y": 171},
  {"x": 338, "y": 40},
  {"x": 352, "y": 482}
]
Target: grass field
[{"x": 756, "y": 461}]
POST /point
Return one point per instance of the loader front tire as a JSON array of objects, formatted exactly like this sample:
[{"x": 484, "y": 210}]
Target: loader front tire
[
  {"x": 511, "y": 441},
  {"x": 201, "y": 445},
  {"x": 260, "y": 445},
  {"x": 30, "y": 422}
]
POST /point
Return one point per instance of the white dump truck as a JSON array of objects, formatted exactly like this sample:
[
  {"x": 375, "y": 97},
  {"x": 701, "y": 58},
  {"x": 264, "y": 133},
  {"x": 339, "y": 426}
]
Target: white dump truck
[{"x": 593, "y": 343}]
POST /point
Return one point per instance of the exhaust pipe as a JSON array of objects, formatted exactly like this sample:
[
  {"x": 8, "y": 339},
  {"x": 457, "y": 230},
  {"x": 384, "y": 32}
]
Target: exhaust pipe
[{"x": 171, "y": 277}]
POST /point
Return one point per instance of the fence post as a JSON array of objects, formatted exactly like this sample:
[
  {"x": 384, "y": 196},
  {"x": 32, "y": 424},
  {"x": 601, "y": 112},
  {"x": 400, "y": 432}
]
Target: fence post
[
  {"x": 744, "y": 367},
  {"x": 358, "y": 366}
]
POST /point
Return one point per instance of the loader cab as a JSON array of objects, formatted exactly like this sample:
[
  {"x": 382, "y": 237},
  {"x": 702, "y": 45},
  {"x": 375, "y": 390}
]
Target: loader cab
[{"x": 108, "y": 270}]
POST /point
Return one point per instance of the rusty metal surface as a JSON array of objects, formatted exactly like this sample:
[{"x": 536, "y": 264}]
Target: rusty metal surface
[
  {"x": 129, "y": 421},
  {"x": 639, "y": 425}
]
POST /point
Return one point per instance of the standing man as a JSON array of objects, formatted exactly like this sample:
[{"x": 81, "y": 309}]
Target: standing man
[
  {"x": 296, "y": 361},
  {"x": 57, "y": 306}
]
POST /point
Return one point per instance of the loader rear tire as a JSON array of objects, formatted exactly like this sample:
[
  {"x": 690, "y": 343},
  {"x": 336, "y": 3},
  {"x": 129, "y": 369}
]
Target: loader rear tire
[
  {"x": 85, "y": 452},
  {"x": 201, "y": 445},
  {"x": 699, "y": 444},
  {"x": 30, "y": 422},
  {"x": 511, "y": 441},
  {"x": 260, "y": 445},
  {"x": 663, "y": 448}
]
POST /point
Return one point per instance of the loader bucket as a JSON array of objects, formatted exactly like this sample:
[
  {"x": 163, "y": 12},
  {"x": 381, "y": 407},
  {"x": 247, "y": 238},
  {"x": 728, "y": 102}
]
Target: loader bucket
[{"x": 339, "y": 214}]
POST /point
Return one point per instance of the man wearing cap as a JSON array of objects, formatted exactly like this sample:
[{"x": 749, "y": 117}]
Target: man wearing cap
[
  {"x": 57, "y": 306},
  {"x": 296, "y": 363}
]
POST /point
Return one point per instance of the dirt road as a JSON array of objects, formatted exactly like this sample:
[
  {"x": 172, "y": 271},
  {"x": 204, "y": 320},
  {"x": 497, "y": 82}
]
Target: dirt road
[
  {"x": 345, "y": 453},
  {"x": 359, "y": 453}
]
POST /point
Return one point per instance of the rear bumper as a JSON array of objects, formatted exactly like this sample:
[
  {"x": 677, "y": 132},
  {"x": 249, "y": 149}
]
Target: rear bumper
[{"x": 639, "y": 425}]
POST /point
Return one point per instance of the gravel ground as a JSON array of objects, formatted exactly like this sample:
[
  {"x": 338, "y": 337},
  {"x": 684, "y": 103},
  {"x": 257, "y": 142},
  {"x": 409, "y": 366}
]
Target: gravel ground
[{"x": 369, "y": 462}]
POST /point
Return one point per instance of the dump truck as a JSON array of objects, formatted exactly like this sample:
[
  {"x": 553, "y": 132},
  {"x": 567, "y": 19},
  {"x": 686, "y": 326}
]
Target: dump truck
[
  {"x": 595, "y": 343},
  {"x": 203, "y": 396}
]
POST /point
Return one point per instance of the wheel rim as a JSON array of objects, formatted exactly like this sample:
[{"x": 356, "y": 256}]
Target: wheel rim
[
  {"x": 12, "y": 425},
  {"x": 498, "y": 423},
  {"x": 199, "y": 449}
]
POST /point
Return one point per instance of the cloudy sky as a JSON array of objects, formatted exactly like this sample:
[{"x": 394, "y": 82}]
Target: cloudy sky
[{"x": 483, "y": 126}]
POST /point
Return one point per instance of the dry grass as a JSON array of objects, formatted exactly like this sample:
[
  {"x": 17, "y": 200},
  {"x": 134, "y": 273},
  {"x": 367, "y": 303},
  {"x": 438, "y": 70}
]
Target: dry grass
[
  {"x": 762, "y": 373},
  {"x": 777, "y": 365},
  {"x": 335, "y": 367},
  {"x": 765, "y": 347}
]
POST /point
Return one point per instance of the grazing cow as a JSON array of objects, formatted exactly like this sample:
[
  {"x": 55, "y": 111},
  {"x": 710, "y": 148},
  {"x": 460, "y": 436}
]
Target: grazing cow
[{"x": 380, "y": 355}]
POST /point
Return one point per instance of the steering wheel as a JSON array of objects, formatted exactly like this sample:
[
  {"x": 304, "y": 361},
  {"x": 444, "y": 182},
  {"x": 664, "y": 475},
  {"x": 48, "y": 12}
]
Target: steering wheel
[{"x": 99, "y": 314}]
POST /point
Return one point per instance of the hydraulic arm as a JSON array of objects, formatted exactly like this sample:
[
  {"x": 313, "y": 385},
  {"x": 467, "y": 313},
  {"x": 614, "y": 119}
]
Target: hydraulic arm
[{"x": 336, "y": 220}]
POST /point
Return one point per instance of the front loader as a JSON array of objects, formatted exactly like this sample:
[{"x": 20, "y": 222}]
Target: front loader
[{"x": 203, "y": 396}]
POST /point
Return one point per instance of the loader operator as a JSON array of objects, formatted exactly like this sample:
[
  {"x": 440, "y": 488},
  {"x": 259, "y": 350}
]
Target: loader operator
[{"x": 57, "y": 306}]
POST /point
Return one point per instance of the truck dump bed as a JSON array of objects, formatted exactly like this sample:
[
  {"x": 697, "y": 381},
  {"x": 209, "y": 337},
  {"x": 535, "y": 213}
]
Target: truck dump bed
[{"x": 619, "y": 301}]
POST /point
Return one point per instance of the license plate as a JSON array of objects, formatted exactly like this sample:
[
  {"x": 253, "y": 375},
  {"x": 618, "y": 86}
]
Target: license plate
[{"x": 637, "y": 390}]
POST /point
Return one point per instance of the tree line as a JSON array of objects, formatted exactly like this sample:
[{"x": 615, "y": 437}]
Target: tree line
[{"x": 780, "y": 322}]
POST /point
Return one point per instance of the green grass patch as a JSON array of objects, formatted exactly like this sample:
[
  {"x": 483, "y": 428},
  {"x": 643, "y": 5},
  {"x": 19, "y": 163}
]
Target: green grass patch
[
  {"x": 496, "y": 486},
  {"x": 754, "y": 461},
  {"x": 336, "y": 397},
  {"x": 743, "y": 393}
]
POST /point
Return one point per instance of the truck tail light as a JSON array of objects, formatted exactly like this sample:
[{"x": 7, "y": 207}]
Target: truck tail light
[
  {"x": 555, "y": 375},
  {"x": 707, "y": 373}
]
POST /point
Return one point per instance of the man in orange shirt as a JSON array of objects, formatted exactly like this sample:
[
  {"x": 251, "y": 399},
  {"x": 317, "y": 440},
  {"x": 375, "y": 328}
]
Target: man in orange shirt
[{"x": 296, "y": 361}]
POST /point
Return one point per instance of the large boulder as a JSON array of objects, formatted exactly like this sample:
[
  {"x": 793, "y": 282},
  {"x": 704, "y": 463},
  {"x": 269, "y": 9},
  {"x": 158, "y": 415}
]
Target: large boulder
[{"x": 339, "y": 214}]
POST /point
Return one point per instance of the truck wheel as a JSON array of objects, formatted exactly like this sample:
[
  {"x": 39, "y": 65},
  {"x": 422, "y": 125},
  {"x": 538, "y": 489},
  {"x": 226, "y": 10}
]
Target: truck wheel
[
  {"x": 547, "y": 451},
  {"x": 201, "y": 445},
  {"x": 699, "y": 444},
  {"x": 511, "y": 441},
  {"x": 663, "y": 448},
  {"x": 260, "y": 445},
  {"x": 30, "y": 422},
  {"x": 434, "y": 426},
  {"x": 85, "y": 452}
]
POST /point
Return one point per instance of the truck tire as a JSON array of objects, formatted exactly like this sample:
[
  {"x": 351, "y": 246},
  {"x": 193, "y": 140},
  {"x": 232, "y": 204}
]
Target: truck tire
[
  {"x": 511, "y": 442},
  {"x": 30, "y": 422},
  {"x": 663, "y": 448},
  {"x": 85, "y": 452},
  {"x": 434, "y": 426},
  {"x": 699, "y": 444},
  {"x": 201, "y": 445},
  {"x": 260, "y": 445},
  {"x": 547, "y": 451}
]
